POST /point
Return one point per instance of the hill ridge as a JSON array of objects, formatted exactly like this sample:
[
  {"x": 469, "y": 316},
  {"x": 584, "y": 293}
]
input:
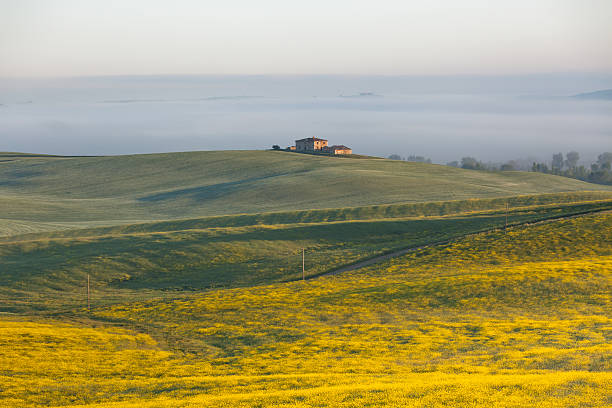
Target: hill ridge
[{"x": 170, "y": 186}]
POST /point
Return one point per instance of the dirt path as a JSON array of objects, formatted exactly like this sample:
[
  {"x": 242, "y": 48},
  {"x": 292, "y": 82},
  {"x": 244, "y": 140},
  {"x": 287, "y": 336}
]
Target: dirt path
[
  {"x": 404, "y": 251},
  {"x": 381, "y": 258}
]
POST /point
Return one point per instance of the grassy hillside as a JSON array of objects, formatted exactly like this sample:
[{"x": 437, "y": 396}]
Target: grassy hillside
[
  {"x": 48, "y": 270},
  {"x": 508, "y": 320},
  {"x": 126, "y": 189}
]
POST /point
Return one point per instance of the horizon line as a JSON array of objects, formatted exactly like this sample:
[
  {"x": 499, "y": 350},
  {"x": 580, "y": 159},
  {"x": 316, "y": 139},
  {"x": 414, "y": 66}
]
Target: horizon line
[{"x": 320, "y": 75}]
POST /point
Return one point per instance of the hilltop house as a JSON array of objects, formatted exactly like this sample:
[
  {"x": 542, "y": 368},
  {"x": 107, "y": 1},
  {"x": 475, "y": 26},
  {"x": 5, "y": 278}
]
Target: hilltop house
[
  {"x": 314, "y": 144},
  {"x": 310, "y": 144}
]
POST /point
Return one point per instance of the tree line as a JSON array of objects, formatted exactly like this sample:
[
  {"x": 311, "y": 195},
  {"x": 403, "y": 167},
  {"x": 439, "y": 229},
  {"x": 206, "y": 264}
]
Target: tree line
[
  {"x": 411, "y": 158},
  {"x": 599, "y": 172},
  {"x": 567, "y": 166}
]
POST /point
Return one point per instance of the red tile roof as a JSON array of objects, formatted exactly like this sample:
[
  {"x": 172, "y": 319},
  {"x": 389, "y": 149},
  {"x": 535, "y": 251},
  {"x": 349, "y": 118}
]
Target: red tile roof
[{"x": 312, "y": 139}]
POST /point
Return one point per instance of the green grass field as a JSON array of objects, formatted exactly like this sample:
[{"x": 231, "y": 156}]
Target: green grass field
[
  {"x": 81, "y": 191},
  {"x": 194, "y": 262},
  {"x": 47, "y": 271}
]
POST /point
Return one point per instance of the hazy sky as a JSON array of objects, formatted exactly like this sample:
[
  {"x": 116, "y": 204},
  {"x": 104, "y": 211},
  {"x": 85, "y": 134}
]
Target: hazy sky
[{"x": 110, "y": 37}]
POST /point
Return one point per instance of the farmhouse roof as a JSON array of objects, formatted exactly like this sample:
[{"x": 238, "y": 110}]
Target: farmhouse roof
[
  {"x": 312, "y": 139},
  {"x": 339, "y": 147}
]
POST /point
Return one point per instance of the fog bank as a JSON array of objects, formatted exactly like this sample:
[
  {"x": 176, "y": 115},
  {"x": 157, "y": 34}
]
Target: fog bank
[{"x": 445, "y": 118}]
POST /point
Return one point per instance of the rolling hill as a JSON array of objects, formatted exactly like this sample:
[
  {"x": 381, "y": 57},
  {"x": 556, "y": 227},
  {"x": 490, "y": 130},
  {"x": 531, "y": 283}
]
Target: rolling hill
[
  {"x": 43, "y": 193},
  {"x": 604, "y": 95},
  {"x": 46, "y": 270}
]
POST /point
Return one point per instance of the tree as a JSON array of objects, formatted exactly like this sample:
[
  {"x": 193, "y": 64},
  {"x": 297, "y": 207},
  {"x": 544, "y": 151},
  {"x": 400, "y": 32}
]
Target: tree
[
  {"x": 470, "y": 163},
  {"x": 275, "y": 147},
  {"x": 419, "y": 159},
  {"x": 557, "y": 162},
  {"x": 572, "y": 159},
  {"x": 541, "y": 167},
  {"x": 605, "y": 160},
  {"x": 395, "y": 157},
  {"x": 580, "y": 172}
]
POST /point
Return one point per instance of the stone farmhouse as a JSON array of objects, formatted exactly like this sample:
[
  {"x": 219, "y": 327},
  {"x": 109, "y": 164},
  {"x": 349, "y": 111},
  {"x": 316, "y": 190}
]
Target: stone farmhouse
[
  {"x": 315, "y": 144},
  {"x": 310, "y": 144}
]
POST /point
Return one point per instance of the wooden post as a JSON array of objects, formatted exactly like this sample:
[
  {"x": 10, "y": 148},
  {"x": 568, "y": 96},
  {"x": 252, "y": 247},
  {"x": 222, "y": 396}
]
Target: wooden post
[
  {"x": 506, "y": 227},
  {"x": 88, "y": 305},
  {"x": 303, "y": 268}
]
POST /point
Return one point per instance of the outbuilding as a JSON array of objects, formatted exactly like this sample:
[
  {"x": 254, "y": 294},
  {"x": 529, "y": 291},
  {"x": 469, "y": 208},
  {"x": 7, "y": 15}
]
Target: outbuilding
[{"x": 339, "y": 149}]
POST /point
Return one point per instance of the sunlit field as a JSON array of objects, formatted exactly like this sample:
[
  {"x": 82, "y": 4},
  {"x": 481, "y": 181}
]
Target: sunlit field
[
  {"x": 44, "y": 193},
  {"x": 46, "y": 271},
  {"x": 514, "y": 319}
]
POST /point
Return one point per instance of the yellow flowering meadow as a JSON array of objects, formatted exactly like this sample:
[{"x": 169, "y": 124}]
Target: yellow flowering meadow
[{"x": 511, "y": 320}]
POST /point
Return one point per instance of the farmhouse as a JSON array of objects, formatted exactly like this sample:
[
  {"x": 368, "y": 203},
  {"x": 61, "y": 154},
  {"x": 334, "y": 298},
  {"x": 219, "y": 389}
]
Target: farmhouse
[
  {"x": 310, "y": 144},
  {"x": 315, "y": 144}
]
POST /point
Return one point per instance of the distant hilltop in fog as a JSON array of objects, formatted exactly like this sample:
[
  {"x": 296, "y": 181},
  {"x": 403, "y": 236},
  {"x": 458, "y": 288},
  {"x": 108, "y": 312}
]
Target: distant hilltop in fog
[
  {"x": 360, "y": 95},
  {"x": 603, "y": 94}
]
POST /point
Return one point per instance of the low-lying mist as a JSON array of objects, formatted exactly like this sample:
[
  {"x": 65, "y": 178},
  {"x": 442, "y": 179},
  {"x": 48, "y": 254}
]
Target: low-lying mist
[{"x": 444, "y": 118}]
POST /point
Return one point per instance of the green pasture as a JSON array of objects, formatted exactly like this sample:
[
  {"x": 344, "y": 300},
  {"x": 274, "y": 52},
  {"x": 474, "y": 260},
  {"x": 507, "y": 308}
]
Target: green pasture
[
  {"x": 48, "y": 271},
  {"x": 114, "y": 190}
]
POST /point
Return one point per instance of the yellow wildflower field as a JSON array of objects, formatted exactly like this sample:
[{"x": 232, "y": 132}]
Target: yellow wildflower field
[{"x": 509, "y": 320}]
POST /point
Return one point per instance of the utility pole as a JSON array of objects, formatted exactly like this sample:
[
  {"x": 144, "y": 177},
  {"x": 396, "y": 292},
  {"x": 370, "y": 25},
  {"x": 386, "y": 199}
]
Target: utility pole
[
  {"x": 88, "y": 306},
  {"x": 303, "y": 269},
  {"x": 506, "y": 227}
]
